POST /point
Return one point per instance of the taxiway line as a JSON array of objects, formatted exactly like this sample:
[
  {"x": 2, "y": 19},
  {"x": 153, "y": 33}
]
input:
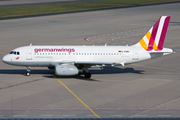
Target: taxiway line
[{"x": 77, "y": 97}]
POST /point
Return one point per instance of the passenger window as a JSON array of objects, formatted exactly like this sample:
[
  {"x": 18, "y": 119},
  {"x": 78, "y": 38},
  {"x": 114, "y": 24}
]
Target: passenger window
[
  {"x": 84, "y": 53},
  {"x": 59, "y": 53}
]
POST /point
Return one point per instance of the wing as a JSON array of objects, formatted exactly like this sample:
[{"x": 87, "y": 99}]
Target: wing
[
  {"x": 98, "y": 64},
  {"x": 86, "y": 63}
]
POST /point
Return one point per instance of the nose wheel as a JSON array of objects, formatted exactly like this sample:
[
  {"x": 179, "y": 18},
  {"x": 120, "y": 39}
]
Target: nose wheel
[{"x": 28, "y": 73}]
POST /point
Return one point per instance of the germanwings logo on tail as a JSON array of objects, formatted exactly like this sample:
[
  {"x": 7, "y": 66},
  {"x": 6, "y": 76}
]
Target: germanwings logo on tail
[{"x": 154, "y": 38}]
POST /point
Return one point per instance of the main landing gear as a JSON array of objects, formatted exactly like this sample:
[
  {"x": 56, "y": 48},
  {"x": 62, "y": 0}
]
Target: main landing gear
[
  {"x": 86, "y": 73},
  {"x": 28, "y": 73}
]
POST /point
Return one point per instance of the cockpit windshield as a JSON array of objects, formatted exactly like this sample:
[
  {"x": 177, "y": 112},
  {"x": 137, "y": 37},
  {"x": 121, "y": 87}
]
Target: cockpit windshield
[
  {"x": 11, "y": 52},
  {"x": 15, "y": 52}
]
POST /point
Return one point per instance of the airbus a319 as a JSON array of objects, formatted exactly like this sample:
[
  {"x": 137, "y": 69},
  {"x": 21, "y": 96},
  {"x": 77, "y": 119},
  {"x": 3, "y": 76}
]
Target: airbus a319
[{"x": 72, "y": 60}]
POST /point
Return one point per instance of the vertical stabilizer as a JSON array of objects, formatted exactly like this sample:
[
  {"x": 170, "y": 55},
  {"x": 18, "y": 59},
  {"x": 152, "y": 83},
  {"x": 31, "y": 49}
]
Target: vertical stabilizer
[{"x": 154, "y": 38}]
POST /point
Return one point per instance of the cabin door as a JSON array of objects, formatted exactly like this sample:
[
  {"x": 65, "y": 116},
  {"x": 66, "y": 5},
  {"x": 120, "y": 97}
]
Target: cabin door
[
  {"x": 135, "y": 54},
  {"x": 28, "y": 54}
]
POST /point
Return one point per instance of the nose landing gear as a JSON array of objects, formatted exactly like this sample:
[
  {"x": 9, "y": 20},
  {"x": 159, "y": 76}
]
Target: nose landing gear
[{"x": 28, "y": 73}]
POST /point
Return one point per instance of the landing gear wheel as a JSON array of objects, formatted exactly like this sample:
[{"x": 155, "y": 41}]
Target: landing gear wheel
[
  {"x": 87, "y": 75},
  {"x": 28, "y": 73}
]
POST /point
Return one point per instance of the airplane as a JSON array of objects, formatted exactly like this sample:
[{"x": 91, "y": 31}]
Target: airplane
[{"x": 73, "y": 60}]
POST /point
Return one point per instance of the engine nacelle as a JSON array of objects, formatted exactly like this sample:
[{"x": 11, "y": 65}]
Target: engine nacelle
[{"x": 66, "y": 70}]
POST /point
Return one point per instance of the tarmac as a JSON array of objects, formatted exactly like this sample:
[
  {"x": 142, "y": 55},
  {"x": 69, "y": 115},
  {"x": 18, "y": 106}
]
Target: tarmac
[
  {"x": 145, "y": 89},
  {"x": 9, "y": 3}
]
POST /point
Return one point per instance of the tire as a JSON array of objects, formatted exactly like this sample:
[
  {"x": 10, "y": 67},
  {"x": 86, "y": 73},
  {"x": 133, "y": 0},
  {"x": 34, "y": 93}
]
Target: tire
[
  {"x": 28, "y": 74},
  {"x": 87, "y": 75}
]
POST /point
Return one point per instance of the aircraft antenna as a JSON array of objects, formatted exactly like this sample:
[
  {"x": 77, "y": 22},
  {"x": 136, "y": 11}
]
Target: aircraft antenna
[{"x": 30, "y": 44}]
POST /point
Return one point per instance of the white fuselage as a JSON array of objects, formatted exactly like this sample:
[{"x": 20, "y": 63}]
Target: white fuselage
[
  {"x": 71, "y": 60},
  {"x": 46, "y": 56}
]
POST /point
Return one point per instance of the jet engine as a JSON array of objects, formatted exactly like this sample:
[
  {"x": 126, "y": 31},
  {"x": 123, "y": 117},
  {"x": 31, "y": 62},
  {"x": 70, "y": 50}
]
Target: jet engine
[{"x": 65, "y": 69}]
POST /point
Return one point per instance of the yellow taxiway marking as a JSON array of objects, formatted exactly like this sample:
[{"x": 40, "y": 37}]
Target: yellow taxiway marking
[
  {"x": 77, "y": 97},
  {"x": 155, "y": 68}
]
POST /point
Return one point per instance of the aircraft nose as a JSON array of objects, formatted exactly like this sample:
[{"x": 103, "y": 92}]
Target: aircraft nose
[{"x": 5, "y": 59}]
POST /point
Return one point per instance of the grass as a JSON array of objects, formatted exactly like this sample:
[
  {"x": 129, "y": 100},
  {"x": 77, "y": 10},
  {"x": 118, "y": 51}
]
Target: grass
[{"x": 17, "y": 11}]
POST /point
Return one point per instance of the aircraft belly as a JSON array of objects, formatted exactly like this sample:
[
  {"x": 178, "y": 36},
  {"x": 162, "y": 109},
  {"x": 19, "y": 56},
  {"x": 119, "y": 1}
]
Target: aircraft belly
[{"x": 33, "y": 63}]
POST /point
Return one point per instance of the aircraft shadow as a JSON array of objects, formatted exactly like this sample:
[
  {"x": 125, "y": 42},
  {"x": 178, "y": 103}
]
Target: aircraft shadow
[
  {"x": 106, "y": 70},
  {"x": 115, "y": 70},
  {"x": 48, "y": 73},
  {"x": 23, "y": 71},
  {"x": 79, "y": 77}
]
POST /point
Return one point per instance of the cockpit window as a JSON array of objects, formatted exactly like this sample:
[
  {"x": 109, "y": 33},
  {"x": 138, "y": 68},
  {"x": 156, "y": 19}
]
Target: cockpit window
[
  {"x": 11, "y": 52},
  {"x": 15, "y": 53}
]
